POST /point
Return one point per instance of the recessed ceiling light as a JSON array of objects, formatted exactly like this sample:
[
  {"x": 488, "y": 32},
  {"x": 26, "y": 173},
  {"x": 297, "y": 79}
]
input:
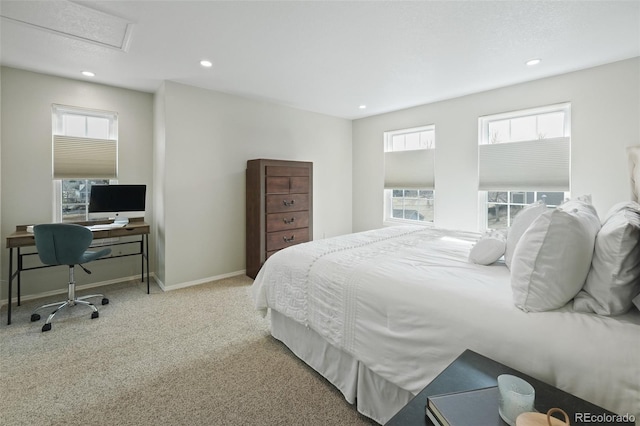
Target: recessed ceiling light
[
  {"x": 532, "y": 62},
  {"x": 206, "y": 64},
  {"x": 362, "y": 107},
  {"x": 88, "y": 74}
]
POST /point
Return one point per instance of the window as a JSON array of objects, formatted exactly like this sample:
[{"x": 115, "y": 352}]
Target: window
[
  {"x": 503, "y": 206},
  {"x": 412, "y": 204},
  {"x": 524, "y": 157},
  {"x": 84, "y": 154},
  {"x": 409, "y": 175},
  {"x": 545, "y": 125},
  {"x": 75, "y": 198}
]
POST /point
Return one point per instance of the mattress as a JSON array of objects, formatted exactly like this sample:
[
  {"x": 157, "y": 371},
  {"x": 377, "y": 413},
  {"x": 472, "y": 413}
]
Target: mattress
[{"x": 404, "y": 302}]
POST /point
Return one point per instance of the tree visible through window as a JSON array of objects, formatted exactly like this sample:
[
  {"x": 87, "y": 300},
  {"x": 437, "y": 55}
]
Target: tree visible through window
[
  {"x": 75, "y": 198},
  {"x": 503, "y": 206},
  {"x": 412, "y": 204}
]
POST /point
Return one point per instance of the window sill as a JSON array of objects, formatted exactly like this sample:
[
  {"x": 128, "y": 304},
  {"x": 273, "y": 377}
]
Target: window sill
[{"x": 388, "y": 223}]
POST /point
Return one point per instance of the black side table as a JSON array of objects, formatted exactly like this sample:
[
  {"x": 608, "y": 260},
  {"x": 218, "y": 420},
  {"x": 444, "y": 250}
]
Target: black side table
[{"x": 473, "y": 371}]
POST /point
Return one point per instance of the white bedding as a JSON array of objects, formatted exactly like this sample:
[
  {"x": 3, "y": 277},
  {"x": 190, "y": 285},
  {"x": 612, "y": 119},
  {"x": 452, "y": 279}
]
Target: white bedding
[{"x": 405, "y": 302}]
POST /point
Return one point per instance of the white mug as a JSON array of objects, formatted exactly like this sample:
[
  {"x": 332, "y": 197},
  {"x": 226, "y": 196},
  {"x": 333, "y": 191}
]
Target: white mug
[{"x": 516, "y": 397}]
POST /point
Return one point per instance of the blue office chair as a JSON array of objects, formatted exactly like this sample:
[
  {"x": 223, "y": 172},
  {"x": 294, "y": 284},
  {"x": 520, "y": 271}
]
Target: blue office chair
[{"x": 66, "y": 244}]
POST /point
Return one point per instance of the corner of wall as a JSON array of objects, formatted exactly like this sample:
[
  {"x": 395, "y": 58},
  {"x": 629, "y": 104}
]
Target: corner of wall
[{"x": 159, "y": 156}]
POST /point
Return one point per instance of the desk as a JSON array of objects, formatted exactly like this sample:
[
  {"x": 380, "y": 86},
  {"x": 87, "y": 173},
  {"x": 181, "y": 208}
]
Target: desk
[{"x": 21, "y": 238}]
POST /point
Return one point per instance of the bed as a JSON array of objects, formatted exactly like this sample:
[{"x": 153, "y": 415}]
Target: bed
[{"x": 381, "y": 313}]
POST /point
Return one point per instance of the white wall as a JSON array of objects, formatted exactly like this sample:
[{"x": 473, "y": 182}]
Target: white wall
[
  {"x": 605, "y": 111},
  {"x": 159, "y": 155},
  {"x": 209, "y": 137},
  {"x": 1, "y": 257},
  {"x": 26, "y": 182},
  {"x": 191, "y": 146}
]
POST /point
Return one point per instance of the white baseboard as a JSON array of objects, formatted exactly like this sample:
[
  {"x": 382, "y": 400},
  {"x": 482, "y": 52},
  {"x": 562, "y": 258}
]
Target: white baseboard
[
  {"x": 198, "y": 282},
  {"x": 78, "y": 288},
  {"x": 162, "y": 286}
]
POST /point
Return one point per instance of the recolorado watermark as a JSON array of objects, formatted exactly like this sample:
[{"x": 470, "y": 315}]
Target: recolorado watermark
[{"x": 608, "y": 419}]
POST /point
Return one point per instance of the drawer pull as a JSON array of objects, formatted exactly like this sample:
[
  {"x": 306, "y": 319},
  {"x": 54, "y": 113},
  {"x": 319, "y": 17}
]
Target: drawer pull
[
  {"x": 288, "y": 203},
  {"x": 288, "y": 221},
  {"x": 288, "y": 240}
]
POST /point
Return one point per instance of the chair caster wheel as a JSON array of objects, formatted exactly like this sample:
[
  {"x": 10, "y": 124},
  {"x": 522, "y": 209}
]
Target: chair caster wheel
[
  {"x": 105, "y": 301},
  {"x": 35, "y": 317},
  {"x": 46, "y": 327},
  {"x": 95, "y": 315}
]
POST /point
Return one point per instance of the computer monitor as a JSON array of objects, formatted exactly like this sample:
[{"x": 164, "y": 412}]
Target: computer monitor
[{"x": 119, "y": 202}]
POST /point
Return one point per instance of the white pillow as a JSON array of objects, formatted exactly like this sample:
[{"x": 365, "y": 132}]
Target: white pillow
[
  {"x": 614, "y": 278},
  {"x": 552, "y": 259},
  {"x": 488, "y": 249},
  {"x": 616, "y": 208},
  {"x": 522, "y": 220}
]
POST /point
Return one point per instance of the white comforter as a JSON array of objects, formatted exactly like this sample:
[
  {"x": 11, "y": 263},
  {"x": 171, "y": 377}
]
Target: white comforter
[{"x": 405, "y": 302}]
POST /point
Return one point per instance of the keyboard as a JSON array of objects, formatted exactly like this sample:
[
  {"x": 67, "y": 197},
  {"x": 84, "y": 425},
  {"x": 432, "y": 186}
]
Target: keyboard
[{"x": 105, "y": 226}]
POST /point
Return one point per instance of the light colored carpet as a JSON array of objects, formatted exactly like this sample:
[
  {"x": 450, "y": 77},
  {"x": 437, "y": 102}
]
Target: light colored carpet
[{"x": 196, "y": 356}]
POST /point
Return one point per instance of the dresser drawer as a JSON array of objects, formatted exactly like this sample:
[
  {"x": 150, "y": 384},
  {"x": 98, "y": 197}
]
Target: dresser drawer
[
  {"x": 299, "y": 185},
  {"x": 282, "y": 239},
  {"x": 285, "y": 221},
  {"x": 277, "y": 185},
  {"x": 287, "y": 171},
  {"x": 287, "y": 203},
  {"x": 287, "y": 185}
]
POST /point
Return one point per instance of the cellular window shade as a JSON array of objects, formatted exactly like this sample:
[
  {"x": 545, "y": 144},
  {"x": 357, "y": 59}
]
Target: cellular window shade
[
  {"x": 79, "y": 157},
  {"x": 409, "y": 169},
  {"x": 540, "y": 165}
]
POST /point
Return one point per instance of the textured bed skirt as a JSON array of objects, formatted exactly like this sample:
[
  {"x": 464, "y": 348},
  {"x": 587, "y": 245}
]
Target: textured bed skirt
[{"x": 374, "y": 397}]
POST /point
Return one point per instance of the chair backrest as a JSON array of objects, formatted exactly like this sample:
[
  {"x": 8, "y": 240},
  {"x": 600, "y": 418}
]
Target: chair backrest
[{"x": 61, "y": 243}]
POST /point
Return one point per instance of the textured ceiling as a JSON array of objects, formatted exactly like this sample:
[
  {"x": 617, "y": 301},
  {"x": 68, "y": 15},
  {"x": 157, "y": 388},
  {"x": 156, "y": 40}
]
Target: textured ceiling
[{"x": 323, "y": 56}]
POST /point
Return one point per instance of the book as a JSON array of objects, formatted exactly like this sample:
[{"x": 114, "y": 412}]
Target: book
[{"x": 478, "y": 407}]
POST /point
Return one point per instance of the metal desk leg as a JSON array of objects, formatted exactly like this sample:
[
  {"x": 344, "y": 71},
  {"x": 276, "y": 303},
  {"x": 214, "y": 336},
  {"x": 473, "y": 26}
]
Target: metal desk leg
[
  {"x": 18, "y": 272},
  {"x": 12, "y": 275},
  {"x": 9, "y": 287},
  {"x": 146, "y": 239},
  {"x": 144, "y": 252},
  {"x": 142, "y": 259}
]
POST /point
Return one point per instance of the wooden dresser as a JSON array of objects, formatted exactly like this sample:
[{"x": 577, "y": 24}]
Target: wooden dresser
[{"x": 279, "y": 208}]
